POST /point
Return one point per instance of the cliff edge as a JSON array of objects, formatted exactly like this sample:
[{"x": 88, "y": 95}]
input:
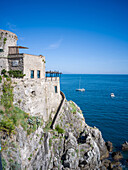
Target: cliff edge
[{"x": 71, "y": 145}]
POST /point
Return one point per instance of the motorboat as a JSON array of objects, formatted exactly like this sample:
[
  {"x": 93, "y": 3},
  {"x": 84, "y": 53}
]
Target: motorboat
[{"x": 112, "y": 95}]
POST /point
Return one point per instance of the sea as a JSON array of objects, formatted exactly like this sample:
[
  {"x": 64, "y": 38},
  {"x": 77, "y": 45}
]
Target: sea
[{"x": 108, "y": 114}]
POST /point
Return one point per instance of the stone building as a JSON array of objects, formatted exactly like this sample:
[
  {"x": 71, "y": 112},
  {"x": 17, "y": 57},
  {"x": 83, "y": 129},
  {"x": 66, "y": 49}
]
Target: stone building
[
  {"x": 32, "y": 66},
  {"x": 38, "y": 95}
]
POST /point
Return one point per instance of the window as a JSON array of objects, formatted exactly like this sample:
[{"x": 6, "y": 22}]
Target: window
[
  {"x": 38, "y": 73},
  {"x": 32, "y": 73},
  {"x": 1, "y": 50},
  {"x": 15, "y": 63},
  {"x": 1, "y": 47},
  {"x": 55, "y": 89}
]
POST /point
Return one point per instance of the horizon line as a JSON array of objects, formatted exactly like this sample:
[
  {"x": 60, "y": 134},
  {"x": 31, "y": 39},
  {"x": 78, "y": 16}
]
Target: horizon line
[{"x": 99, "y": 73}]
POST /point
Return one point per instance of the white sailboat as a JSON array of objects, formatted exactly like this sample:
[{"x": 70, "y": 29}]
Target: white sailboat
[{"x": 79, "y": 87}]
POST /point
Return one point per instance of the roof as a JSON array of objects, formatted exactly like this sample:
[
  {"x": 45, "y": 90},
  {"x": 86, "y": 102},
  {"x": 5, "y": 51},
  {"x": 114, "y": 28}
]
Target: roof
[
  {"x": 53, "y": 72},
  {"x": 18, "y": 47}
]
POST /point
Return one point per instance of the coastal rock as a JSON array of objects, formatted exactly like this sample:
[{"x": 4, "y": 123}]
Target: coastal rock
[
  {"x": 125, "y": 146},
  {"x": 109, "y": 146},
  {"x": 97, "y": 137},
  {"x": 115, "y": 166},
  {"x": 117, "y": 155},
  {"x": 77, "y": 147},
  {"x": 106, "y": 163}
]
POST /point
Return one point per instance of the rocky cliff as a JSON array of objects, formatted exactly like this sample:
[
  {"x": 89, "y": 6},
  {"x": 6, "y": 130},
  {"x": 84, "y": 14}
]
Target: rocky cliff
[{"x": 72, "y": 145}]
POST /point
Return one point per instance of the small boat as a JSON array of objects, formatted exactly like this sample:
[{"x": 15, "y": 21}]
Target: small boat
[
  {"x": 79, "y": 87},
  {"x": 112, "y": 95}
]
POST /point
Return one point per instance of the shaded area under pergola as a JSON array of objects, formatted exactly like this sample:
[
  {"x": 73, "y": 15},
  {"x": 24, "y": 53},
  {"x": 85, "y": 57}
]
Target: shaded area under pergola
[{"x": 53, "y": 74}]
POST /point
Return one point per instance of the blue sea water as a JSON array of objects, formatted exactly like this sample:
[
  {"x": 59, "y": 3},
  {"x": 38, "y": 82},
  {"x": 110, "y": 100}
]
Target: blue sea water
[{"x": 110, "y": 115}]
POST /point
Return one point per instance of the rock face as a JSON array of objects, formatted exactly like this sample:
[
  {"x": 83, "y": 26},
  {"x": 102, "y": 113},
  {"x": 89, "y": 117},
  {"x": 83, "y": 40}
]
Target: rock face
[
  {"x": 125, "y": 146},
  {"x": 77, "y": 147},
  {"x": 109, "y": 146},
  {"x": 117, "y": 155}
]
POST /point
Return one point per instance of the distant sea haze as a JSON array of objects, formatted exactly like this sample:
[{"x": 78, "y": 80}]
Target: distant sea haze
[{"x": 108, "y": 114}]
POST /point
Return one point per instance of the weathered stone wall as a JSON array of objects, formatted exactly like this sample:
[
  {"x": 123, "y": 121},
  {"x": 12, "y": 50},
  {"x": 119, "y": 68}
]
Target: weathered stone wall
[
  {"x": 37, "y": 97},
  {"x": 16, "y": 66},
  {"x": 52, "y": 99},
  {"x": 32, "y": 62},
  {"x": 3, "y": 64},
  {"x": 7, "y": 38}
]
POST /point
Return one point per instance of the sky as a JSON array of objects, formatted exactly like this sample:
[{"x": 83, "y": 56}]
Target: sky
[{"x": 75, "y": 36}]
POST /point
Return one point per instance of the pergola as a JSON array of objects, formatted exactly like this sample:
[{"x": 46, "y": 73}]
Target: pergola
[
  {"x": 15, "y": 49},
  {"x": 53, "y": 74}
]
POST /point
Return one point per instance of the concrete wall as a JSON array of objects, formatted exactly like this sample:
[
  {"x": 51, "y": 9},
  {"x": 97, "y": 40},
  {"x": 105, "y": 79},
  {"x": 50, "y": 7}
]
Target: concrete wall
[
  {"x": 11, "y": 40},
  {"x": 32, "y": 62},
  {"x": 37, "y": 97}
]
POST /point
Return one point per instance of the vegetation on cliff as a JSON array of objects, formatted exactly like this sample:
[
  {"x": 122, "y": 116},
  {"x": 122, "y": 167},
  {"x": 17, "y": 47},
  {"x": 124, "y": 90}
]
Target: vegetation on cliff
[
  {"x": 11, "y": 116},
  {"x": 29, "y": 143}
]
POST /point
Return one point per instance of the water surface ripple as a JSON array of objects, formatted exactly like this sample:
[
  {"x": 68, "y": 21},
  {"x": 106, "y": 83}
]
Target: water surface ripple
[{"x": 110, "y": 115}]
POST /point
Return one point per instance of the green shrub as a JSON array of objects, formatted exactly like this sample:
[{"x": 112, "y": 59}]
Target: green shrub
[
  {"x": 24, "y": 125},
  {"x": 29, "y": 159},
  {"x": 73, "y": 107},
  {"x": 10, "y": 160},
  {"x": 47, "y": 127},
  {"x": 34, "y": 128},
  {"x": 12, "y": 116},
  {"x": 7, "y": 96},
  {"x": 82, "y": 150},
  {"x": 15, "y": 166},
  {"x": 7, "y": 124},
  {"x": 0, "y": 79},
  {"x": 4, "y": 164},
  {"x": 3, "y": 72},
  {"x": 5, "y": 39},
  {"x": 76, "y": 150},
  {"x": 29, "y": 131},
  {"x": 60, "y": 130},
  {"x": 1, "y": 112},
  {"x": 50, "y": 142},
  {"x": 54, "y": 137},
  {"x": 16, "y": 74}
]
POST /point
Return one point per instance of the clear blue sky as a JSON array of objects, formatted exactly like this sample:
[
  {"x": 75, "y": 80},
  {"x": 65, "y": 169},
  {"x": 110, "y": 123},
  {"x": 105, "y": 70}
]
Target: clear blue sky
[{"x": 75, "y": 36}]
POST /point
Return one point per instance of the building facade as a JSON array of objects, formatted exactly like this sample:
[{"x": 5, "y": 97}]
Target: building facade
[
  {"x": 38, "y": 95},
  {"x": 33, "y": 66}
]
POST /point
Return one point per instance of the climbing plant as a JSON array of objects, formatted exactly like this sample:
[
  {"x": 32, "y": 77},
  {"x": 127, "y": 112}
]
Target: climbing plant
[
  {"x": 7, "y": 96},
  {"x": 16, "y": 74},
  {"x": 5, "y": 39},
  {"x": 13, "y": 73},
  {"x": 12, "y": 116}
]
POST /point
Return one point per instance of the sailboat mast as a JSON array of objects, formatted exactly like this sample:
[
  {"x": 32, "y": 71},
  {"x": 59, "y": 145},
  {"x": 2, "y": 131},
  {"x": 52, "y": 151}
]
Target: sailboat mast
[{"x": 79, "y": 82}]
